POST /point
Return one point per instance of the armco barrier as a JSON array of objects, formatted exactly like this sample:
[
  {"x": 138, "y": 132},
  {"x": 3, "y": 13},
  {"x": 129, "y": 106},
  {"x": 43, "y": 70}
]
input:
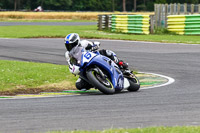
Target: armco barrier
[
  {"x": 139, "y": 24},
  {"x": 184, "y": 24}
]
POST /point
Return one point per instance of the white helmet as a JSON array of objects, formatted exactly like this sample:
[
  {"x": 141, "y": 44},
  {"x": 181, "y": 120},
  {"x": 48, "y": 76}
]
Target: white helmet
[{"x": 71, "y": 41}]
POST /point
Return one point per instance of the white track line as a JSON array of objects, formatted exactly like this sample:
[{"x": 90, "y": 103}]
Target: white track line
[{"x": 170, "y": 81}]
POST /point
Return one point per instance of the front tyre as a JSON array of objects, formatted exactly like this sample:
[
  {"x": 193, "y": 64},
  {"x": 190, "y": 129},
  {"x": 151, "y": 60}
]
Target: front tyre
[{"x": 102, "y": 84}]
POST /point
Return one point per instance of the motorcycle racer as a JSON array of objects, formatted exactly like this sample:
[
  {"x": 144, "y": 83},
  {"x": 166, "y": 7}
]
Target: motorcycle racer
[{"x": 72, "y": 42}]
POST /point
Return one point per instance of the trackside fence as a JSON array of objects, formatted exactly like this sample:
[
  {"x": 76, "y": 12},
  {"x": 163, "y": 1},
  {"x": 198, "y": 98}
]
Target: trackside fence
[
  {"x": 104, "y": 22},
  {"x": 163, "y": 10},
  {"x": 184, "y": 24}
]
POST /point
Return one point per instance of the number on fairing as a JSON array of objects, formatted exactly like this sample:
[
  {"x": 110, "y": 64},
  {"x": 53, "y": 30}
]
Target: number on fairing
[{"x": 88, "y": 56}]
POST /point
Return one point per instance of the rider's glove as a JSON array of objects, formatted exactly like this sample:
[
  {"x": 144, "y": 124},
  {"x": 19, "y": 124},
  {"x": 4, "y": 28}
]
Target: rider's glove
[
  {"x": 74, "y": 69},
  {"x": 95, "y": 46}
]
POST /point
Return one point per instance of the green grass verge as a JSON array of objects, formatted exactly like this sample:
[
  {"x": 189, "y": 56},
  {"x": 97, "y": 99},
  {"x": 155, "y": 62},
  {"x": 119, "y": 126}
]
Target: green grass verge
[
  {"x": 189, "y": 129},
  {"x": 22, "y": 75},
  {"x": 88, "y": 32}
]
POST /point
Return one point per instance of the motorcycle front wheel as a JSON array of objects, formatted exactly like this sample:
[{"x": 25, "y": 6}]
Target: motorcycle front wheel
[{"x": 102, "y": 84}]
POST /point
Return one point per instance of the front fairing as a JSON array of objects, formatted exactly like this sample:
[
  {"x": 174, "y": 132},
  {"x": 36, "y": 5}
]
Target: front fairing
[{"x": 87, "y": 57}]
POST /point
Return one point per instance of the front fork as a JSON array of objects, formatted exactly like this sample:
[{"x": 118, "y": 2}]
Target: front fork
[{"x": 103, "y": 76}]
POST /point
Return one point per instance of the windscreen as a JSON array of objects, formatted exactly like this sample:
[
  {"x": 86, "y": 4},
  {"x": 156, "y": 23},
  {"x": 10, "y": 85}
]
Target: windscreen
[{"x": 76, "y": 53}]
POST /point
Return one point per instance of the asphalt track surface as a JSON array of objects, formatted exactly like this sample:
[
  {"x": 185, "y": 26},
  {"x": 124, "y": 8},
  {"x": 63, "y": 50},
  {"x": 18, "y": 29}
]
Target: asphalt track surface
[
  {"x": 173, "y": 105},
  {"x": 46, "y": 23}
]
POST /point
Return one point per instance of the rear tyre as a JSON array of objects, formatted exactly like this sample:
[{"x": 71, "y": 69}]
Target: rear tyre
[
  {"x": 134, "y": 84},
  {"x": 103, "y": 85}
]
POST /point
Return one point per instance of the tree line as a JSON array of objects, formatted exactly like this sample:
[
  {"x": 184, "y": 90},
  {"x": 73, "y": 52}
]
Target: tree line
[{"x": 87, "y": 5}]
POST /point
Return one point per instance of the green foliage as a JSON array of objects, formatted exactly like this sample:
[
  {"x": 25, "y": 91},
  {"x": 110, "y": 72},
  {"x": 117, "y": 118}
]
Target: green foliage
[
  {"x": 87, "y": 5},
  {"x": 141, "y": 7},
  {"x": 57, "y": 4},
  {"x": 192, "y": 1},
  {"x": 161, "y": 1},
  {"x": 150, "y": 6},
  {"x": 92, "y": 5},
  {"x": 163, "y": 31},
  {"x": 178, "y": 1}
]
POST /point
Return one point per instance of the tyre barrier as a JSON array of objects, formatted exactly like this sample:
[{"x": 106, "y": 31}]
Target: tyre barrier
[
  {"x": 184, "y": 24},
  {"x": 137, "y": 24}
]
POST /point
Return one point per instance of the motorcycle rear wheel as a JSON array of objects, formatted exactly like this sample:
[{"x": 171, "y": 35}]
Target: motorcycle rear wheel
[
  {"x": 103, "y": 85},
  {"x": 134, "y": 84}
]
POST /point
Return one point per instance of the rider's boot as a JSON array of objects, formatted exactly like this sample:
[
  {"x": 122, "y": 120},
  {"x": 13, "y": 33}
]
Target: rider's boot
[
  {"x": 122, "y": 65},
  {"x": 124, "y": 68},
  {"x": 112, "y": 56},
  {"x": 82, "y": 84}
]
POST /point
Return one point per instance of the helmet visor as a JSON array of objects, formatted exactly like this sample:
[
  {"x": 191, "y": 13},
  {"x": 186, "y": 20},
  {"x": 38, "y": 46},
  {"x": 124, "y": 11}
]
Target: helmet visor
[{"x": 71, "y": 45}]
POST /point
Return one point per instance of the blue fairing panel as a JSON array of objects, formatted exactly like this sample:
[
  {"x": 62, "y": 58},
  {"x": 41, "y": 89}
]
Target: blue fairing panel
[{"x": 103, "y": 62}]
